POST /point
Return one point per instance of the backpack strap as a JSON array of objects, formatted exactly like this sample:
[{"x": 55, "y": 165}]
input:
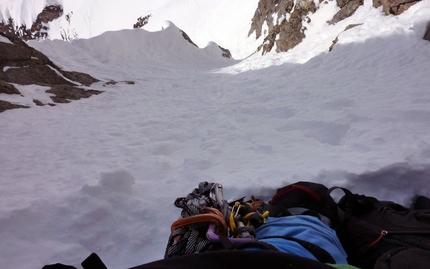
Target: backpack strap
[
  {"x": 289, "y": 188},
  {"x": 321, "y": 254},
  {"x": 348, "y": 198},
  {"x": 281, "y": 211}
]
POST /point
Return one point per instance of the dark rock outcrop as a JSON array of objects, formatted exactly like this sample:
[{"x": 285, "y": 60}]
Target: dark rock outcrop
[
  {"x": 8, "y": 88},
  {"x": 394, "y": 7},
  {"x": 427, "y": 33},
  {"x": 291, "y": 32},
  {"x": 285, "y": 19},
  {"x": 347, "y": 8},
  {"x": 265, "y": 10},
  {"x": 113, "y": 82},
  {"x": 186, "y": 37},
  {"x": 142, "y": 21},
  {"x": 66, "y": 93},
  {"x": 225, "y": 52},
  {"x": 6, "y": 105},
  {"x": 34, "y": 74},
  {"x": 39, "y": 28},
  {"x": 23, "y": 65},
  {"x": 284, "y": 33}
]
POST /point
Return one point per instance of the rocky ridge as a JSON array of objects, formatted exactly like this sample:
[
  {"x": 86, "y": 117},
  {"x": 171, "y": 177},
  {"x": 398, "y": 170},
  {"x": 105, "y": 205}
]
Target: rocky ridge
[
  {"x": 39, "y": 28},
  {"x": 21, "y": 64},
  {"x": 284, "y": 20}
]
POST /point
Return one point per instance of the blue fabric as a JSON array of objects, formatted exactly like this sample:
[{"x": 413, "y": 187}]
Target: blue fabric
[{"x": 307, "y": 228}]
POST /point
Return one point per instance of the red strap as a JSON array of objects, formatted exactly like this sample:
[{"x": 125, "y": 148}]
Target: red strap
[
  {"x": 383, "y": 233},
  {"x": 292, "y": 187}
]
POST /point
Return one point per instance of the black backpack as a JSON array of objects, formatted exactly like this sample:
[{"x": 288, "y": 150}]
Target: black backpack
[
  {"x": 234, "y": 259},
  {"x": 368, "y": 229},
  {"x": 371, "y": 229},
  {"x": 250, "y": 259},
  {"x": 403, "y": 258}
]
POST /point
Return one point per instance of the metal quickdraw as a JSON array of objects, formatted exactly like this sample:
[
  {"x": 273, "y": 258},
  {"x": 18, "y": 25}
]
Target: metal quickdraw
[{"x": 244, "y": 217}]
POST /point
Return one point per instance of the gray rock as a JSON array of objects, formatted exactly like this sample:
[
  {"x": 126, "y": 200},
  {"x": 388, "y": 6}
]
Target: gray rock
[
  {"x": 6, "y": 105},
  {"x": 427, "y": 33},
  {"x": 8, "y": 88},
  {"x": 284, "y": 33},
  {"x": 396, "y": 7},
  {"x": 24, "y": 65},
  {"x": 66, "y": 93},
  {"x": 347, "y": 9}
]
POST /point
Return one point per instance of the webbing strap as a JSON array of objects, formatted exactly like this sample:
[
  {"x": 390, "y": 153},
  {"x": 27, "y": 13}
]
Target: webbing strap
[
  {"x": 282, "y": 211},
  {"x": 342, "y": 215},
  {"x": 288, "y": 189}
]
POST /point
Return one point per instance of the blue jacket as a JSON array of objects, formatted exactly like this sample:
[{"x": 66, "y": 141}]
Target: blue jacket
[{"x": 304, "y": 227}]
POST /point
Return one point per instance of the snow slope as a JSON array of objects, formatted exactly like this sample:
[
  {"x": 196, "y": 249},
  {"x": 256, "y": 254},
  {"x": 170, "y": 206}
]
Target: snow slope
[
  {"x": 204, "y": 22},
  {"x": 101, "y": 174}
]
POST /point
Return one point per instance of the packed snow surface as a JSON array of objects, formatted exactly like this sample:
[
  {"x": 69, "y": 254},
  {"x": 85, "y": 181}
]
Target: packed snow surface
[{"x": 101, "y": 174}]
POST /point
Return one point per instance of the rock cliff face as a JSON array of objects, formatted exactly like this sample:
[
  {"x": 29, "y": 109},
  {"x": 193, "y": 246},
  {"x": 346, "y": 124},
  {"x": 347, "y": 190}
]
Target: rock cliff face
[
  {"x": 394, "y": 7},
  {"x": 39, "y": 28},
  {"x": 427, "y": 33},
  {"x": 224, "y": 52},
  {"x": 347, "y": 8},
  {"x": 281, "y": 22},
  {"x": 21, "y": 64}
]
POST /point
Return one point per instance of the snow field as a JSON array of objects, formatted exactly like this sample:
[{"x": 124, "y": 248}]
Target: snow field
[{"x": 101, "y": 174}]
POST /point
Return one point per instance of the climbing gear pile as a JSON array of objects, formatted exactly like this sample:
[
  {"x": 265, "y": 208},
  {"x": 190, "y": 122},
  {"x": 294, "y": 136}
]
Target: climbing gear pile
[{"x": 209, "y": 222}]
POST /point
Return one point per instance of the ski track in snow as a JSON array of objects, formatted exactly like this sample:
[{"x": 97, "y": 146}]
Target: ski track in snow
[{"x": 101, "y": 174}]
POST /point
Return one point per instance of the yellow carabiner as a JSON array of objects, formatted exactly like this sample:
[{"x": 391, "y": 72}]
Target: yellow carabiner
[
  {"x": 232, "y": 223},
  {"x": 264, "y": 216}
]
